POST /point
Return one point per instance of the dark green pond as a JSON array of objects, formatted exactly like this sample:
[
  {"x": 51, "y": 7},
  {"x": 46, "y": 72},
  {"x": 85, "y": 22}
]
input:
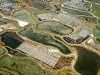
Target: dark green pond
[
  {"x": 44, "y": 38},
  {"x": 88, "y": 62},
  {"x": 11, "y": 39}
]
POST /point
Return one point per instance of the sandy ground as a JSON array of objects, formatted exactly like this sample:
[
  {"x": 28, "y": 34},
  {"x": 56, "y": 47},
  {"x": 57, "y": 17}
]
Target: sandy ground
[{"x": 22, "y": 23}]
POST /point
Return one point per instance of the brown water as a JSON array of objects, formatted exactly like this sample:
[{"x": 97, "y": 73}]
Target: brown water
[{"x": 88, "y": 62}]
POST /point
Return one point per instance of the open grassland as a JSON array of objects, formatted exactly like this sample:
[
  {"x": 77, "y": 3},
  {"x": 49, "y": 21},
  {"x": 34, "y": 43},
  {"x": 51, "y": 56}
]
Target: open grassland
[
  {"x": 76, "y": 12},
  {"x": 44, "y": 38},
  {"x": 24, "y": 15},
  {"x": 55, "y": 27},
  {"x": 96, "y": 10},
  {"x": 22, "y": 66}
]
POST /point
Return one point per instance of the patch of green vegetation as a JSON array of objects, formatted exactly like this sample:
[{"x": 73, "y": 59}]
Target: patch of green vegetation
[
  {"x": 4, "y": 71},
  {"x": 99, "y": 21},
  {"x": 76, "y": 12},
  {"x": 15, "y": 23},
  {"x": 55, "y": 27},
  {"x": 22, "y": 66},
  {"x": 98, "y": 27},
  {"x": 38, "y": 5},
  {"x": 90, "y": 19},
  {"x": 24, "y": 15},
  {"x": 2, "y": 50},
  {"x": 97, "y": 40},
  {"x": 96, "y": 10},
  {"x": 1, "y": 23},
  {"x": 44, "y": 38},
  {"x": 36, "y": 11},
  {"x": 96, "y": 33}
]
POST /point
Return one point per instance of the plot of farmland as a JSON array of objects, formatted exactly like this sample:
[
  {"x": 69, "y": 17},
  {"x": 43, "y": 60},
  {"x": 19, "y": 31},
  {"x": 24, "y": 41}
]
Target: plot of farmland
[
  {"x": 55, "y": 27},
  {"x": 24, "y": 15}
]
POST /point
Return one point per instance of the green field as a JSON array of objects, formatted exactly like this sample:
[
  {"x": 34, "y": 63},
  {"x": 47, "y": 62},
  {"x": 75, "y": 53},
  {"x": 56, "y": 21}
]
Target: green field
[
  {"x": 44, "y": 38},
  {"x": 54, "y": 27},
  {"x": 25, "y": 16},
  {"x": 22, "y": 66},
  {"x": 76, "y": 12},
  {"x": 96, "y": 10}
]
